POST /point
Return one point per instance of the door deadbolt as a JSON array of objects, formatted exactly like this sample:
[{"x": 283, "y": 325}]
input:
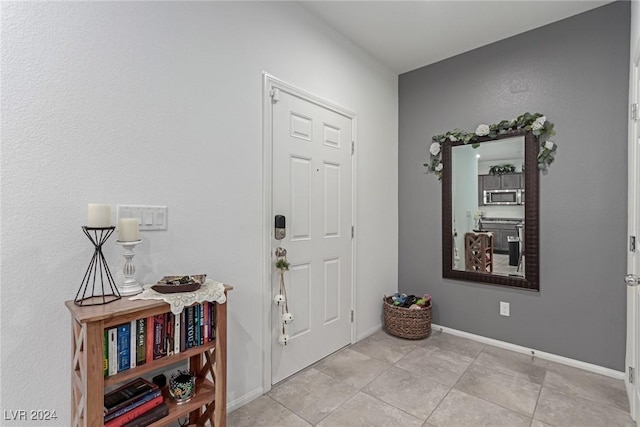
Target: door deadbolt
[{"x": 280, "y": 227}]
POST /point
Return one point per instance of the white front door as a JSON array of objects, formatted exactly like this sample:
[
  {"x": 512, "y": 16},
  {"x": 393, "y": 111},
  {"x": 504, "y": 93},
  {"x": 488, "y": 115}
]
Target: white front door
[
  {"x": 633, "y": 258},
  {"x": 312, "y": 188}
]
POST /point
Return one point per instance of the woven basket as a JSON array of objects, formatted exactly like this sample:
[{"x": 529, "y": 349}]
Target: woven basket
[{"x": 406, "y": 323}]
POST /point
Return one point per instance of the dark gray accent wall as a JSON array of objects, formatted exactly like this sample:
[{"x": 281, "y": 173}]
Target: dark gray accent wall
[{"x": 576, "y": 71}]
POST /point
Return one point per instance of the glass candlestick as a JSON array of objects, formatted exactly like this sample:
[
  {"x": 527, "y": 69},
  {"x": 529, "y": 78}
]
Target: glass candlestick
[
  {"x": 130, "y": 285},
  {"x": 98, "y": 272}
]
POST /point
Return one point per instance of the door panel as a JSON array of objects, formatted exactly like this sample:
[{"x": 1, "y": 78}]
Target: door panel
[{"x": 312, "y": 188}]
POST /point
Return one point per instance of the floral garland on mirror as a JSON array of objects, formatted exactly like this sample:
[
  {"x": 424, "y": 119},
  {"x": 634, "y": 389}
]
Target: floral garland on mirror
[{"x": 536, "y": 123}]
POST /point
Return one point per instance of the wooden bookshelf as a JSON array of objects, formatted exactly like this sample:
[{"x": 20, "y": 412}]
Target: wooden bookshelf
[{"x": 208, "y": 362}]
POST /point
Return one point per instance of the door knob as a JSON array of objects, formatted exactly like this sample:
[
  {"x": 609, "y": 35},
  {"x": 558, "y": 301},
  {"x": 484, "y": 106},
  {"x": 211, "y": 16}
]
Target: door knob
[{"x": 632, "y": 280}]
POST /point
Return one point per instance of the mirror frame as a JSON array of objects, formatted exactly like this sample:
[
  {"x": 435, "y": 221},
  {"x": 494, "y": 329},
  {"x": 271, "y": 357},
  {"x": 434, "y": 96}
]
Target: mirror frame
[{"x": 530, "y": 281}]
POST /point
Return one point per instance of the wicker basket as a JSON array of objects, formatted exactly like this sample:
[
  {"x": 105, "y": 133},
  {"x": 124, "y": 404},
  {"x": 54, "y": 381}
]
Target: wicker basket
[{"x": 405, "y": 322}]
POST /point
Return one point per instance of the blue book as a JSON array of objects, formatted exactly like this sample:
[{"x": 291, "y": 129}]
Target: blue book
[
  {"x": 190, "y": 328},
  {"x": 124, "y": 346},
  {"x": 197, "y": 326}
]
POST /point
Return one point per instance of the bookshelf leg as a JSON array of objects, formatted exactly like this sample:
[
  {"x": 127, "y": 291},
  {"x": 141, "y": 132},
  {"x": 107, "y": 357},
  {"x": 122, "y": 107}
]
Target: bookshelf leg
[{"x": 220, "y": 411}]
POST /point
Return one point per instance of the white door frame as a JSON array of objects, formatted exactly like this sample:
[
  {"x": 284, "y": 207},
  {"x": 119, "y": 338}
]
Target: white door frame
[
  {"x": 633, "y": 201},
  {"x": 270, "y": 83}
]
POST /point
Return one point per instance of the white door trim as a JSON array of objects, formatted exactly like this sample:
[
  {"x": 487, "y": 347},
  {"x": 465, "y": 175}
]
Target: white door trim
[
  {"x": 633, "y": 200},
  {"x": 269, "y": 83}
]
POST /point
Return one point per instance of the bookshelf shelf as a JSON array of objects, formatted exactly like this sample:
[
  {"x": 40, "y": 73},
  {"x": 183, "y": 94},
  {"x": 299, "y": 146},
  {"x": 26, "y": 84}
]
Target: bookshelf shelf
[{"x": 208, "y": 362}]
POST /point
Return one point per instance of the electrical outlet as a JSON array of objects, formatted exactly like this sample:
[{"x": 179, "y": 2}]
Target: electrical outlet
[{"x": 504, "y": 308}]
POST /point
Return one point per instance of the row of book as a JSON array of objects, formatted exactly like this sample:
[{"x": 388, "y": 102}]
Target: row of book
[
  {"x": 137, "y": 403},
  {"x": 143, "y": 340}
]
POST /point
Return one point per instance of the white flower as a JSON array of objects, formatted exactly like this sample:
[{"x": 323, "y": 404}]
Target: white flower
[
  {"x": 549, "y": 145},
  {"x": 439, "y": 167},
  {"x": 482, "y": 130},
  {"x": 452, "y": 138},
  {"x": 539, "y": 123},
  {"x": 435, "y": 148}
]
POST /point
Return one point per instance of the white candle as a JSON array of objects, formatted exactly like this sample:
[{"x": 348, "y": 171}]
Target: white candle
[
  {"x": 128, "y": 230},
  {"x": 99, "y": 215}
]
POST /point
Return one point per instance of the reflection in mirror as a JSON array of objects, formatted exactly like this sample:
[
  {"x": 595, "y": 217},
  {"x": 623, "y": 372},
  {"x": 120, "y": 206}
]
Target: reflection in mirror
[
  {"x": 489, "y": 233},
  {"x": 488, "y": 207}
]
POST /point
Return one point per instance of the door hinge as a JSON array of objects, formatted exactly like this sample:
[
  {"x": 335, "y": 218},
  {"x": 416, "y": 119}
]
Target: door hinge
[
  {"x": 631, "y": 375},
  {"x": 353, "y": 231},
  {"x": 353, "y": 147},
  {"x": 634, "y": 112},
  {"x": 351, "y": 316},
  {"x": 275, "y": 95},
  {"x": 632, "y": 243}
]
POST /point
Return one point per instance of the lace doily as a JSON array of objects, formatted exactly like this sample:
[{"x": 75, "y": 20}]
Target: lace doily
[{"x": 209, "y": 291}]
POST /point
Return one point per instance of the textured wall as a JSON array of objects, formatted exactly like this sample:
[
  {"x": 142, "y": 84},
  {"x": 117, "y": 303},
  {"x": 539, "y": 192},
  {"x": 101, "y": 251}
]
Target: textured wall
[
  {"x": 576, "y": 72},
  {"x": 161, "y": 103}
]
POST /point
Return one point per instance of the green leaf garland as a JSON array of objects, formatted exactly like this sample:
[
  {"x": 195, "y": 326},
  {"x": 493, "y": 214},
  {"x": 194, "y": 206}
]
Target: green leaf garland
[{"x": 536, "y": 123}]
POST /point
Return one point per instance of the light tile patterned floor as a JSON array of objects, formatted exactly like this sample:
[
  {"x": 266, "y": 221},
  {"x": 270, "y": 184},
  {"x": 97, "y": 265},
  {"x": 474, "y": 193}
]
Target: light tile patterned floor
[{"x": 444, "y": 380}]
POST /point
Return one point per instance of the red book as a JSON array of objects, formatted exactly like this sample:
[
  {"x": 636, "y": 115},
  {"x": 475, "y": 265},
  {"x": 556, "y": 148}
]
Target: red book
[
  {"x": 149, "y": 337},
  {"x": 134, "y": 413}
]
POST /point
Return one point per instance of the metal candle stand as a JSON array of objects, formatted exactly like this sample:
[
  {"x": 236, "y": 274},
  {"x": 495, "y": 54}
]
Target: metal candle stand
[{"x": 97, "y": 267}]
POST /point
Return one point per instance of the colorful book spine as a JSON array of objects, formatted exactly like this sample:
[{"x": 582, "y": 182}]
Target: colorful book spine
[
  {"x": 141, "y": 342},
  {"x": 143, "y": 399},
  {"x": 183, "y": 333},
  {"x": 150, "y": 417},
  {"x": 207, "y": 325},
  {"x": 201, "y": 312},
  {"x": 197, "y": 325},
  {"x": 176, "y": 333},
  {"x": 105, "y": 355},
  {"x": 113, "y": 351},
  {"x": 170, "y": 333},
  {"x": 149, "y": 348},
  {"x": 214, "y": 307},
  {"x": 159, "y": 346},
  {"x": 190, "y": 328},
  {"x": 133, "y": 345},
  {"x": 124, "y": 347},
  {"x": 134, "y": 413}
]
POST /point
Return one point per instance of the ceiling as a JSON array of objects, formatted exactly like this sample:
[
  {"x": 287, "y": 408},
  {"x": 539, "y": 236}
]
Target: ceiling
[{"x": 405, "y": 35}]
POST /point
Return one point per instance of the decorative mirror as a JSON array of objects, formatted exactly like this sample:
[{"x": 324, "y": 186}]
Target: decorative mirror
[{"x": 490, "y": 200}]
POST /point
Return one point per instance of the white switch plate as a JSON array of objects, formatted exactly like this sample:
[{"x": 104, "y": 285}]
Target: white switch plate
[
  {"x": 151, "y": 217},
  {"x": 504, "y": 309}
]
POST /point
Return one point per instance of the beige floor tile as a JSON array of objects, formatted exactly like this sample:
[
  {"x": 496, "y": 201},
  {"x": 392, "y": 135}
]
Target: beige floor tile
[
  {"x": 365, "y": 411},
  {"x": 438, "y": 365},
  {"x": 517, "y": 364},
  {"x": 577, "y": 382},
  {"x": 312, "y": 394},
  {"x": 536, "y": 423},
  {"x": 408, "y": 391},
  {"x": 352, "y": 367},
  {"x": 513, "y": 392},
  {"x": 559, "y": 409},
  {"x": 461, "y": 410},
  {"x": 384, "y": 347},
  {"x": 264, "y": 412},
  {"x": 453, "y": 343}
]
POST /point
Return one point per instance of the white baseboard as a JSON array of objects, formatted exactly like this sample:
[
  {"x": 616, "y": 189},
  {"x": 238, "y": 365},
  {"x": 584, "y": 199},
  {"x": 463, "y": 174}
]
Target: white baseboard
[
  {"x": 366, "y": 333},
  {"x": 243, "y": 400},
  {"x": 541, "y": 354}
]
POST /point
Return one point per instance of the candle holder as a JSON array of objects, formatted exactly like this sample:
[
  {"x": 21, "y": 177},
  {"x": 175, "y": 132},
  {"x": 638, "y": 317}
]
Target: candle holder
[
  {"x": 130, "y": 285},
  {"x": 98, "y": 270}
]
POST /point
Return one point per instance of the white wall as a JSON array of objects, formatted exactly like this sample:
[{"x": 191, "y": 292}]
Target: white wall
[{"x": 160, "y": 103}]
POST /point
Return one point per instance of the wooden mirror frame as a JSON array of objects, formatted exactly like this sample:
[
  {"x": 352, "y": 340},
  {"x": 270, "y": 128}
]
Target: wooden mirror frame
[{"x": 530, "y": 281}]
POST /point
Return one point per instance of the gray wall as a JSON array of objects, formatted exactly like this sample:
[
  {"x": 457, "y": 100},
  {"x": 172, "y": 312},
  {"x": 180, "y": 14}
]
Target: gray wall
[{"x": 576, "y": 72}]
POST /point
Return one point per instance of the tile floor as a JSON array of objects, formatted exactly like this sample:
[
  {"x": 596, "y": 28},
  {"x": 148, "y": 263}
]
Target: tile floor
[{"x": 444, "y": 380}]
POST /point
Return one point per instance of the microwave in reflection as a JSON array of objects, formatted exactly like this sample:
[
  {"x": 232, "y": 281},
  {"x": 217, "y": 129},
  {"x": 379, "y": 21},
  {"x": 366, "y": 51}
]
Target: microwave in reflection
[{"x": 503, "y": 197}]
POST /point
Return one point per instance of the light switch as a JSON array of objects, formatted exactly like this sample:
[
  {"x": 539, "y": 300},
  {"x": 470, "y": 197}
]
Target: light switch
[
  {"x": 151, "y": 217},
  {"x": 148, "y": 217}
]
